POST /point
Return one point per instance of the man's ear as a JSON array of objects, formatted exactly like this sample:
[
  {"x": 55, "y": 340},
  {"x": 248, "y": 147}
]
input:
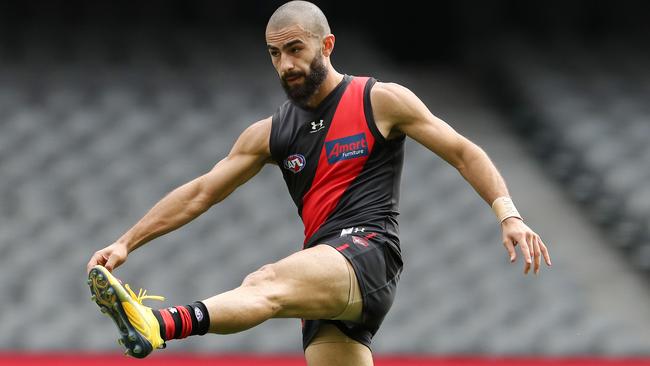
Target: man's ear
[{"x": 328, "y": 45}]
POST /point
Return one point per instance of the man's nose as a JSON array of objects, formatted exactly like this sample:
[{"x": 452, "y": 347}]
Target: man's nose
[{"x": 286, "y": 65}]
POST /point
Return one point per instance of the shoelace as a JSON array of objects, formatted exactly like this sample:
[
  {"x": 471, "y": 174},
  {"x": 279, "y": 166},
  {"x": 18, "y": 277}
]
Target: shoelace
[{"x": 142, "y": 295}]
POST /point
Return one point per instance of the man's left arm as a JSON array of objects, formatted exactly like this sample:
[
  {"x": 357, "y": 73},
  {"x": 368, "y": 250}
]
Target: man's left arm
[{"x": 397, "y": 110}]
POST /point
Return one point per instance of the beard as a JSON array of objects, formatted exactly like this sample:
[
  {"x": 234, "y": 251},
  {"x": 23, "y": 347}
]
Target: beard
[{"x": 301, "y": 93}]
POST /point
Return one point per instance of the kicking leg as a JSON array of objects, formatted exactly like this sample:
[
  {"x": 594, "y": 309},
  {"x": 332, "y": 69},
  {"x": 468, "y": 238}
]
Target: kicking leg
[{"x": 311, "y": 284}]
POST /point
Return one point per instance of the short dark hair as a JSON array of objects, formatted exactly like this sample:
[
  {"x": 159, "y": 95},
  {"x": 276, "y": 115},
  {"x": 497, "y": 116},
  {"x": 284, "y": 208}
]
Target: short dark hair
[{"x": 304, "y": 13}]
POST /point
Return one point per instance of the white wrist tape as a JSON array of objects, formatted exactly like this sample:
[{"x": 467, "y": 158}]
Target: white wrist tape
[{"x": 504, "y": 208}]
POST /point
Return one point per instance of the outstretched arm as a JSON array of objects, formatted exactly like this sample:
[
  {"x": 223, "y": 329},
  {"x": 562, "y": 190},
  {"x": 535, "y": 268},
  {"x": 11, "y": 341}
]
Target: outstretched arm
[
  {"x": 247, "y": 157},
  {"x": 397, "y": 110}
]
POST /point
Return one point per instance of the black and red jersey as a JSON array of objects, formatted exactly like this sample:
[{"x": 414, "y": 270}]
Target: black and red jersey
[{"x": 341, "y": 172}]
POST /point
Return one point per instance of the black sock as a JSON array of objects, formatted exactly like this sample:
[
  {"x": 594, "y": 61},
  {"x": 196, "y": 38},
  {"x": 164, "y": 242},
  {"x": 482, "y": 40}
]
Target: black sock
[{"x": 178, "y": 322}]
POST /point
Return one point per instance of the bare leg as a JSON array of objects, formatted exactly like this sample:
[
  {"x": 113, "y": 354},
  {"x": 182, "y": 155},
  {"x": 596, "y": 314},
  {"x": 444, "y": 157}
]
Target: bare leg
[
  {"x": 311, "y": 284},
  {"x": 332, "y": 347}
]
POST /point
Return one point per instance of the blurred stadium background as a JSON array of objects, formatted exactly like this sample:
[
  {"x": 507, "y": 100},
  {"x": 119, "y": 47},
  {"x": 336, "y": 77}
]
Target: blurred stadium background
[{"x": 106, "y": 106}]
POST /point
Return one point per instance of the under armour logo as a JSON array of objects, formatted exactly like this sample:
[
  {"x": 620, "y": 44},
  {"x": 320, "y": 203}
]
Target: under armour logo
[
  {"x": 172, "y": 310},
  {"x": 317, "y": 126},
  {"x": 352, "y": 230}
]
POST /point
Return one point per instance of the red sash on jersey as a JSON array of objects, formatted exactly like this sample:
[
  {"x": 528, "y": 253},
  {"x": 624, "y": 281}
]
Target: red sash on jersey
[{"x": 345, "y": 151}]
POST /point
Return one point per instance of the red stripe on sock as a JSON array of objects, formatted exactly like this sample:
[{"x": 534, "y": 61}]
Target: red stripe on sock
[
  {"x": 170, "y": 327},
  {"x": 186, "y": 321}
]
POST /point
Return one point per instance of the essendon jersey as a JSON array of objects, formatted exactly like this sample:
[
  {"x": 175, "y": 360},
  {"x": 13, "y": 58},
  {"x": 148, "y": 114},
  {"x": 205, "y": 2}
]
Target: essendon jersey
[{"x": 341, "y": 172}]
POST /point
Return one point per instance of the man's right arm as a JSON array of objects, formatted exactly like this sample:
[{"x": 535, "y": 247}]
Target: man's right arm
[{"x": 246, "y": 158}]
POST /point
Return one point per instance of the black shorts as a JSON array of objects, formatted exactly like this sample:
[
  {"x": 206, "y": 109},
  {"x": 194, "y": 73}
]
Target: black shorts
[{"x": 377, "y": 263}]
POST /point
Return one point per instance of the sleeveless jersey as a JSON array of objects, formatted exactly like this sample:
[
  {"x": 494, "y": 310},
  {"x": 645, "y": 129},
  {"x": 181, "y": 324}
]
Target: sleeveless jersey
[{"x": 341, "y": 172}]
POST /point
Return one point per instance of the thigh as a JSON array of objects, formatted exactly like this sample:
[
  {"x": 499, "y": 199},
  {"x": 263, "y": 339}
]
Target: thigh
[
  {"x": 314, "y": 283},
  {"x": 331, "y": 347}
]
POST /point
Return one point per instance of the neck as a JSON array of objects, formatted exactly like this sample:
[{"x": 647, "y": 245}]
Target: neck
[{"x": 331, "y": 81}]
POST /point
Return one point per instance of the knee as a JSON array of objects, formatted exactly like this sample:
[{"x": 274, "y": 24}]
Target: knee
[
  {"x": 266, "y": 286},
  {"x": 263, "y": 277}
]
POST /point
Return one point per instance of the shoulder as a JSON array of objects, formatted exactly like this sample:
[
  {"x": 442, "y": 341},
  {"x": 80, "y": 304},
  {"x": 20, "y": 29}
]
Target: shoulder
[
  {"x": 393, "y": 104},
  {"x": 392, "y": 99},
  {"x": 258, "y": 130},
  {"x": 387, "y": 90},
  {"x": 391, "y": 92},
  {"x": 255, "y": 138}
]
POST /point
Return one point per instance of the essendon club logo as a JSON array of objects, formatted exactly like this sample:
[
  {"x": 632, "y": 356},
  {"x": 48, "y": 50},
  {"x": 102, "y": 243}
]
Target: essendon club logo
[
  {"x": 295, "y": 162},
  {"x": 350, "y": 147}
]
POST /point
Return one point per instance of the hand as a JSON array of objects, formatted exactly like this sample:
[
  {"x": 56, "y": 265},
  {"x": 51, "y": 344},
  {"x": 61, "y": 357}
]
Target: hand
[
  {"x": 515, "y": 232},
  {"x": 110, "y": 257}
]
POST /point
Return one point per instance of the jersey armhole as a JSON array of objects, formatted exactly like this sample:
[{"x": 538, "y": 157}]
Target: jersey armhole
[
  {"x": 367, "y": 109},
  {"x": 273, "y": 137}
]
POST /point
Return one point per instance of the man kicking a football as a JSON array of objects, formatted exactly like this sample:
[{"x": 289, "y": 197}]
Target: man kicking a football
[{"x": 339, "y": 142}]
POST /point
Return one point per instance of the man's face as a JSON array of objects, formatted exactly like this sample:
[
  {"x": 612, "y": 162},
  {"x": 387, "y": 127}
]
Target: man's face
[{"x": 297, "y": 57}]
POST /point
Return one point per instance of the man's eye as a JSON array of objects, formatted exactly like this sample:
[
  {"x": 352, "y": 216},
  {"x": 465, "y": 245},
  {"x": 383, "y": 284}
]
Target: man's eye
[
  {"x": 274, "y": 53},
  {"x": 295, "y": 50}
]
